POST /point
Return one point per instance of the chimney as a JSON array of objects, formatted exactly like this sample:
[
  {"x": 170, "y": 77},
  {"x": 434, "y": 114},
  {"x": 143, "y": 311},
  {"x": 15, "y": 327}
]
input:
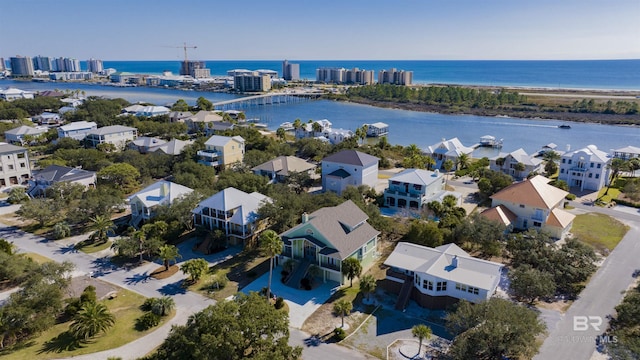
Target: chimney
[
  {"x": 305, "y": 217},
  {"x": 454, "y": 261}
]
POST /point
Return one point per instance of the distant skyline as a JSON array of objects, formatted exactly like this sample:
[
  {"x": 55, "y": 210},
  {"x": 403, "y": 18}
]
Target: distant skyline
[{"x": 327, "y": 30}]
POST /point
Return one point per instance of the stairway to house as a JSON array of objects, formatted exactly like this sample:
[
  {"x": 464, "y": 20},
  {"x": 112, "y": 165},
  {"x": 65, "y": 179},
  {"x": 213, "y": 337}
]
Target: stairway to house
[
  {"x": 135, "y": 220},
  {"x": 298, "y": 273},
  {"x": 405, "y": 293}
]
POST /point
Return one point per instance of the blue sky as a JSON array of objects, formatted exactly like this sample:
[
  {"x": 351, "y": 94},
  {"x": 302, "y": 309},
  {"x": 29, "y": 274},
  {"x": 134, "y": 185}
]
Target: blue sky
[{"x": 319, "y": 30}]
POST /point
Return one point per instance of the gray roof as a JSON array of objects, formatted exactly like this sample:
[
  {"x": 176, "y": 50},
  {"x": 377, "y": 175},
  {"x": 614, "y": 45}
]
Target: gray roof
[
  {"x": 352, "y": 157},
  {"x": 57, "y": 173},
  {"x": 417, "y": 176},
  {"x": 111, "y": 130},
  {"x": 8, "y": 148},
  {"x": 438, "y": 262},
  {"x": 283, "y": 165},
  {"x": 147, "y": 142},
  {"x": 217, "y": 140},
  {"x": 173, "y": 147},
  {"x": 246, "y": 205},
  {"x": 26, "y": 130},
  {"x": 344, "y": 226}
]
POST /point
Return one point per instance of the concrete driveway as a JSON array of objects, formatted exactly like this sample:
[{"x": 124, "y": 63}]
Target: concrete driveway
[{"x": 302, "y": 303}]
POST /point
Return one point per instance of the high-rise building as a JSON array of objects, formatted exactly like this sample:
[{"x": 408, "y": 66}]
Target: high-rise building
[
  {"x": 3, "y": 66},
  {"x": 290, "y": 71},
  {"x": 393, "y": 76},
  {"x": 330, "y": 75},
  {"x": 195, "y": 69},
  {"x": 21, "y": 66},
  {"x": 357, "y": 76},
  {"x": 95, "y": 66},
  {"x": 42, "y": 63},
  {"x": 253, "y": 82}
]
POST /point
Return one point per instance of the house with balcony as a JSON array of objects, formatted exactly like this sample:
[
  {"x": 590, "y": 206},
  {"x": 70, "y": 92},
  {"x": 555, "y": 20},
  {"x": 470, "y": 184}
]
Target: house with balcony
[
  {"x": 377, "y": 129},
  {"x": 314, "y": 129},
  {"x": 145, "y": 202},
  {"x": 233, "y": 211},
  {"x": 278, "y": 169},
  {"x": 518, "y": 164},
  {"x": 54, "y": 174},
  {"x": 414, "y": 188},
  {"x": 585, "y": 169},
  {"x": 222, "y": 151},
  {"x": 348, "y": 168},
  {"x": 327, "y": 237},
  {"x": 626, "y": 153},
  {"x": 436, "y": 278},
  {"x": 179, "y": 116},
  {"x": 116, "y": 135},
  {"x": 17, "y": 135},
  {"x": 536, "y": 204},
  {"x": 446, "y": 150},
  {"x": 76, "y": 130},
  {"x": 47, "y": 118},
  {"x": 14, "y": 165}
]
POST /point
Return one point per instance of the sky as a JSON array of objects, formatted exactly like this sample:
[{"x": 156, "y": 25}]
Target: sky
[{"x": 322, "y": 30}]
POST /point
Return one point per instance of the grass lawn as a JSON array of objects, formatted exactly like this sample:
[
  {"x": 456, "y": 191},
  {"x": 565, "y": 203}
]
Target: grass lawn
[
  {"x": 612, "y": 194},
  {"x": 599, "y": 230},
  {"x": 240, "y": 270},
  {"x": 38, "y": 258},
  {"x": 90, "y": 248},
  {"x": 55, "y": 343}
]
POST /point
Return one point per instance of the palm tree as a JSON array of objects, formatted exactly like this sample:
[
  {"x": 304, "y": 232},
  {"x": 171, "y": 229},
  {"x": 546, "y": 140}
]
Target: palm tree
[
  {"x": 411, "y": 150},
  {"x": 297, "y": 124},
  {"x": 101, "y": 225},
  {"x": 422, "y": 332},
  {"x": 168, "y": 253},
  {"x": 447, "y": 165},
  {"x": 462, "y": 161},
  {"x": 163, "y": 306},
  {"x": 316, "y": 127},
  {"x": 429, "y": 162},
  {"x": 270, "y": 245},
  {"x": 368, "y": 285},
  {"x": 92, "y": 319},
  {"x": 352, "y": 268},
  {"x": 342, "y": 308},
  {"x": 616, "y": 166},
  {"x": 281, "y": 134}
]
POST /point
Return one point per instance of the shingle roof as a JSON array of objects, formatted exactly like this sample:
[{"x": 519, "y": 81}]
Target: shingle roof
[
  {"x": 147, "y": 142},
  {"x": 283, "y": 165},
  {"x": 78, "y": 125},
  {"x": 57, "y": 173},
  {"x": 501, "y": 214},
  {"x": 173, "y": 147},
  {"x": 534, "y": 192},
  {"x": 438, "y": 262},
  {"x": 344, "y": 226},
  {"x": 26, "y": 130},
  {"x": 111, "y": 130},
  {"x": 352, "y": 157},
  {"x": 560, "y": 218},
  {"x": 217, "y": 140}
]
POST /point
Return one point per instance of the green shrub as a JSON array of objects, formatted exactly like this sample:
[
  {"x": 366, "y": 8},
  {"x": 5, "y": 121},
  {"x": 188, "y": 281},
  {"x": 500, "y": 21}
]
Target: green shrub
[
  {"x": 148, "y": 304},
  {"x": 61, "y": 230},
  {"x": 339, "y": 334},
  {"x": 88, "y": 295},
  {"x": 279, "y": 303},
  {"x": 570, "y": 197},
  {"x": 147, "y": 321}
]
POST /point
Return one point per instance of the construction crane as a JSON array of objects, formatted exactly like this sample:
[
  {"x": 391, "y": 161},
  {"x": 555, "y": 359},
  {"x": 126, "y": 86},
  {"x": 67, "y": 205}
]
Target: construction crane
[{"x": 185, "y": 47}]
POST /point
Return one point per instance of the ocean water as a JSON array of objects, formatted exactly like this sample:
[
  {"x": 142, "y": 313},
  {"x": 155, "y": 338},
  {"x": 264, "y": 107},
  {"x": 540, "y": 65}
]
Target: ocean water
[{"x": 571, "y": 74}]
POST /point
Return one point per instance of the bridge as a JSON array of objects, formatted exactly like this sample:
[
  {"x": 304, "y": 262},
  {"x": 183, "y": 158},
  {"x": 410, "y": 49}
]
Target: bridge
[{"x": 265, "y": 99}]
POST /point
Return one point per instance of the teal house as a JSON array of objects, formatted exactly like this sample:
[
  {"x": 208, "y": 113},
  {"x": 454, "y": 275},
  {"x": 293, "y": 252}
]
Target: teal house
[{"x": 330, "y": 235}]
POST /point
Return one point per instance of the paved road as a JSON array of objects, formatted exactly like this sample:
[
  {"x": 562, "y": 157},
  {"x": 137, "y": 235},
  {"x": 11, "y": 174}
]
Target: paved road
[
  {"x": 137, "y": 280},
  {"x": 605, "y": 290}
]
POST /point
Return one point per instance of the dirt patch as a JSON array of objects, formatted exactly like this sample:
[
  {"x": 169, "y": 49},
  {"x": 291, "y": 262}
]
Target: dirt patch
[
  {"x": 161, "y": 273},
  {"x": 559, "y": 305},
  {"x": 78, "y": 284}
]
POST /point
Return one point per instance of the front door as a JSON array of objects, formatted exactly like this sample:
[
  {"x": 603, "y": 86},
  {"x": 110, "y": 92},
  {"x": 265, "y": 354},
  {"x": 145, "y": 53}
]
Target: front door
[{"x": 309, "y": 250}]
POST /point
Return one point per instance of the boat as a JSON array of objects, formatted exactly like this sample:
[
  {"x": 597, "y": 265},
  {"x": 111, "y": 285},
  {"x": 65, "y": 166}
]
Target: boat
[
  {"x": 564, "y": 126},
  {"x": 490, "y": 141}
]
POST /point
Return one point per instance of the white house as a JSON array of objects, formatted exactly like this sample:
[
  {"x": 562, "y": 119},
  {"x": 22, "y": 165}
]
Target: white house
[
  {"x": 626, "y": 153},
  {"x": 233, "y": 211},
  {"x": 414, "y": 188},
  {"x": 16, "y": 135},
  {"x": 537, "y": 205},
  {"x": 53, "y": 174},
  {"x": 11, "y": 94},
  {"x": 172, "y": 147},
  {"x": 143, "y": 144},
  {"x": 149, "y": 111},
  {"x": 14, "y": 165},
  {"x": 377, "y": 129},
  {"x": 117, "y": 135},
  {"x": 306, "y": 130},
  {"x": 76, "y": 130},
  {"x": 144, "y": 203},
  {"x": 517, "y": 163},
  {"x": 447, "y": 150},
  {"x": 438, "y": 277},
  {"x": 47, "y": 118},
  {"x": 585, "y": 169},
  {"x": 336, "y": 136},
  {"x": 326, "y": 238},
  {"x": 349, "y": 168}
]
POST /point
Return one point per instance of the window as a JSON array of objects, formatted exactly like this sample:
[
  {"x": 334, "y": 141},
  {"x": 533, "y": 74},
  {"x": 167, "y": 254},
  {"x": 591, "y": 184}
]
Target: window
[
  {"x": 522, "y": 206},
  {"x": 598, "y": 166},
  {"x": 537, "y": 224},
  {"x": 10, "y": 167},
  {"x": 597, "y": 176},
  {"x": 564, "y": 161},
  {"x": 590, "y": 175},
  {"x": 561, "y": 171},
  {"x": 461, "y": 287},
  {"x": 21, "y": 156},
  {"x": 591, "y": 165},
  {"x": 23, "y": 165},
  {"x": 473, "y": 290},
  {"x": 441, "y": 286},
  {"x": 417, "y": 187},
  {"x": 426, "y": 284}
]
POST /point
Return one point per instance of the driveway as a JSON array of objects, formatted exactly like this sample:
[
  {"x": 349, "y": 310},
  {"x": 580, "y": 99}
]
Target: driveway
[{"x": 302, "y": 303}]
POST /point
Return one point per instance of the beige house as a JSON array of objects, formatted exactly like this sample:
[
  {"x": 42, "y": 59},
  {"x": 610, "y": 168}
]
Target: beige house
[
  {"x": 221, "y": 151},
  {"x": 536, "y": 204},
  {"x": 281, "y": 167},
  {"x": 201, "y": 120},
  {"x": 14, "y": 165}
]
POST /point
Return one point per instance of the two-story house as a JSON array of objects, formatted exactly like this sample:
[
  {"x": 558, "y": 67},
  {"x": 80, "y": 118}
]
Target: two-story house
[
  {"x": 76, "y": 130},
  {"x": 536, "y": 204},
  {"x": 233, "y": 211},
  {"x": 116, "y": 135},
  {"x": 17, "y": 135},
  {"x": 438, "y": 277},
  {"x": 446, "y": 150},
  {"x": 54, "y": 174},
  {"x": 144, "y": 144},
  {"x": 278, "y": 169},
  {"x": 309, "y": 130},
  {"x": 221, "y": 151},
  {"x": 328, "y": 236},
  {"x": 172, "y": 147},
  {"x": 517, "y": 163},
  {"x": 144, "y": 203},
  {"x": 201, "y": 120},
  {"x": 413, "y": 188},
  {"x": 349, "y": 168},
  {"x": 14, "y": 165},
  {"x": 585, "y": 169},
  {"x": 627, "y": 153}
]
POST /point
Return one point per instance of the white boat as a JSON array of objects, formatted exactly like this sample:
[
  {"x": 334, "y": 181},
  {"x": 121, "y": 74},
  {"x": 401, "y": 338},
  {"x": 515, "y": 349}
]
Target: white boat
[{"x": 490, "y": 141}]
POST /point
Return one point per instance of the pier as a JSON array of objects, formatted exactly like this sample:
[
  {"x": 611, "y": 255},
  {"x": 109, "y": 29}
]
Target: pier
[{"x": 265, "y": 99}]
